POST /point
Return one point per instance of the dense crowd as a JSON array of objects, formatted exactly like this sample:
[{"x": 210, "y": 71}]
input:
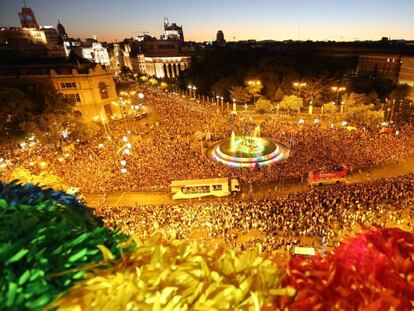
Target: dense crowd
[
  {"x": 320, "y": 217},
  {"x": 168, "y": 148}
]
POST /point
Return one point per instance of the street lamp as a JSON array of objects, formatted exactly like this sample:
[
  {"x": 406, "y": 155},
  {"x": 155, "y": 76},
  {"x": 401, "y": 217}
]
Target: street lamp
[
  {"x": 194, "y": 88},
  {"x": 299, "y": 85},
  {"x": 254, "y": 83},
  {"x": 234, "y": 111},
  {"x": 338, "y": 89}
]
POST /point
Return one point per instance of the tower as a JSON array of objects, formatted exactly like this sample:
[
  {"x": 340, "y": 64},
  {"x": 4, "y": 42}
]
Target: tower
[
  {"x": 220, "y": 36},
  {"x": 61, "y": 30},
  {"x": 220, "y": 41},
  {"x": 27, "y": 18}
]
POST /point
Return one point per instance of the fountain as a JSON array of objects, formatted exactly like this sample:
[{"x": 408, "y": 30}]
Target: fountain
[
  {"x": 256, "y": 131},
  {"x": 248, "y": 151},
  {"x": 232, "y": 141}
]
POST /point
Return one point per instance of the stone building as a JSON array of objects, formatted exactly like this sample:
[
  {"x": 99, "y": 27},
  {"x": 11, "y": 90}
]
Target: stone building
[
  {"x": 92, "y": 88},
  {"x": 94, "y": 91},
  {"x": 163, "y": 58},
  {"x": 398, "y": 68},
  {"x": 383, "y": 65},
  {"x": 406, "y": 75}
]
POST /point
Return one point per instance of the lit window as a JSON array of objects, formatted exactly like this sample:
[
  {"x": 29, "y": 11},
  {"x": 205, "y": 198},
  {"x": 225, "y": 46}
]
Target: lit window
[{"x": 68, "y": 85}]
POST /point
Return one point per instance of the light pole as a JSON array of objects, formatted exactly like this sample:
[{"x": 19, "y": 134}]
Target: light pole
[
  {"x": 192, "y": 87},
  {"x": 299, "y": 85},
  {"x": 338, "y": 89},
  {"x": 254, "y": 83},
  {"x": 194, "y": 91}
]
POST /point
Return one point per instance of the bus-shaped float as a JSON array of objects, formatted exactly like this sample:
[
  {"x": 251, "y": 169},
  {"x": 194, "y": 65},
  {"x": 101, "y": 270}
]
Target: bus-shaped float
[
  {"x": 197, "y": 188},
  {"x": 333, "y": 176}
]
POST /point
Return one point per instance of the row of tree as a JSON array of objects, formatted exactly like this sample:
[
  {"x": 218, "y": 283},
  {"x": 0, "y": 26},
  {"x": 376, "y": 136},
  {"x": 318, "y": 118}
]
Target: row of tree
[
  {"x": 35, "y": 108},
  {"x": 223, "y": 73}
]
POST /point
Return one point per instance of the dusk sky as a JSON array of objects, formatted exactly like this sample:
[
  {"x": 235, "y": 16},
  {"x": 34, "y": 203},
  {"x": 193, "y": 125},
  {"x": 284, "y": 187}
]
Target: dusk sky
[{"x": 239, "y": 19}]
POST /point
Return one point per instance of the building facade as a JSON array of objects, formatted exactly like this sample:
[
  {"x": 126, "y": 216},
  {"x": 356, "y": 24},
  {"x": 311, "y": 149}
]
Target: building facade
[
  {"x": 172, "y": 31},
  {"x": 28, "y": 19},
  {"x": 162, "y": 59},
  {"x": 406, "y": 75},
  {"x": 382, "y": 65},
  {"x": 398, "y": 68},
  {"x": 93, "y": 91},
  {"x": 93, "y": 51}
]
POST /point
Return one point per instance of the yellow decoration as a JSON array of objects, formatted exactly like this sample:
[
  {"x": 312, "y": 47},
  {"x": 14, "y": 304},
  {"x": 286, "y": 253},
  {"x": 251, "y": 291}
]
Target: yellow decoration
[{"x": 170, "y": 274}]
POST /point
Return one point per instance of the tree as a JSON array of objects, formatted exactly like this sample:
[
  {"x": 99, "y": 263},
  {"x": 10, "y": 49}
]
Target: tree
[
  {"x": 365, "y": 115},
  {"x": 372, "y": 97},
  {"x": 15, "y": 108},
  {"x": 81, "y": 130},
  {"x": 354, "y": 100},
  {"x": 153, "y": 81},
  {"x": 263, "y": 106},
  {"x": 48, "y": 127},
  {"x": 222, "y": 86},
  {"x": 239, "y": 94},
  {"x": 254, "y": 87},
  {"x": 279, "y": 94},
  {"x": 45, "y": 179},
  {"x": 163, "y": 85},
  {"x": 329, "y": 108},
  {"x": 400, "y": 92},
  {"x": 291, "y": 103},
  {"x": 313, "y": 91}
]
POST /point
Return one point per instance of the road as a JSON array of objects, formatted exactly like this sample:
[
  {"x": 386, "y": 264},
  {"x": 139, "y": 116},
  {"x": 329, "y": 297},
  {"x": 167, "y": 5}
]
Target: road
[{"x": 391, "y": 169}]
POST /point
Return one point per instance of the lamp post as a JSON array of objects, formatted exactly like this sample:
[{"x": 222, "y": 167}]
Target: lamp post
[
  {"x": 310, "y": 107},
  {"x": 194, "y": 91},
  {"x": 254, "y": 83},
  {"x": 299, "y": 85},
  {"x": 234, "y": 111},
  {"x": 338, "y": 89},
  {"x": 192, "y": 87}
]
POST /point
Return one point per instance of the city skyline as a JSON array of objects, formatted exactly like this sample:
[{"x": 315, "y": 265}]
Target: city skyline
[{"x": 239, "y": 20}]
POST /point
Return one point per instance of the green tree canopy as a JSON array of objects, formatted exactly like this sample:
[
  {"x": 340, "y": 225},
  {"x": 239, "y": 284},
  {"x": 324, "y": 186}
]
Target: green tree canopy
[
  {"x": 313, "y": 91},
  {"x": 263, "y": 106},
  {"x": 330, "y": 108},
  {"x": 15, "y": 108},
  {"x": 279, "y": 94},
  {"x": 239, "y": 94},
  {"x": 365, "y": 115},
  {"x": 291, "y": 103}
]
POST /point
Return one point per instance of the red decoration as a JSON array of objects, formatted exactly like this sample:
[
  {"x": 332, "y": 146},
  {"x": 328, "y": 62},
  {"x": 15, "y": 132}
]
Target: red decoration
[{"x": 373, "y": 271}]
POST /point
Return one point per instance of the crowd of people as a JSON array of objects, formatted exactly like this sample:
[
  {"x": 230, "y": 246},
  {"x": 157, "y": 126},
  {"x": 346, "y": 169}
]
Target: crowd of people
[
  {"x": 323, "y": 216},
  {"x": 167, "y": 148}
]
